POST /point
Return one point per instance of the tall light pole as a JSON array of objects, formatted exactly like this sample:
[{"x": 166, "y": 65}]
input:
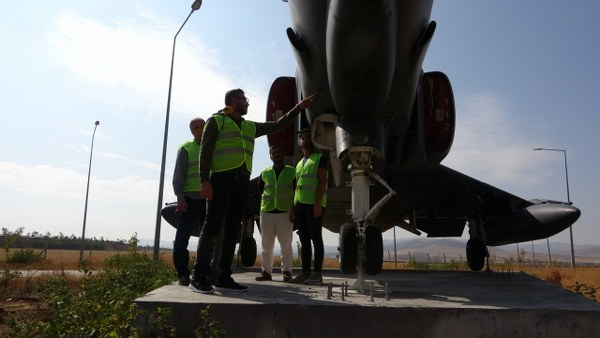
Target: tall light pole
[
  {"x": 87, "y": 192},
  {"x": 395, "y": 251},
  {"x": 195, "y": 6},
  {"x": 568, "y": 199}
]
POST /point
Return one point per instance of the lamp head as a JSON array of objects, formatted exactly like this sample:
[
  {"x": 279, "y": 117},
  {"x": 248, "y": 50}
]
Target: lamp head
[
  {"x": 196, "y": 5},
  {"x": 97, "y": 123}
]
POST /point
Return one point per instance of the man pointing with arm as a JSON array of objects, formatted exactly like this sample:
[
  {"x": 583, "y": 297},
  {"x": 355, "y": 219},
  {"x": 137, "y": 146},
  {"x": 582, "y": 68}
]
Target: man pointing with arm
[{"x": 225, "y": 168}]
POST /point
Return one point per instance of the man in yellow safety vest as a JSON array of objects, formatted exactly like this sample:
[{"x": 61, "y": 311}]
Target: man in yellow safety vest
[
  {"x": 276, "y": 185},
  {"x": 225, "y": 168},
  {"x": 309, "y": 201},
  {"x": 191, "y": 206}
]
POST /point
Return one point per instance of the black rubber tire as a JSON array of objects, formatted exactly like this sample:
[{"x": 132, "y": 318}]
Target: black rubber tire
[
  {"x": 348, "y": 248},
  {"x": 475, "y": 254},
  {"x": 248, "y": 251},
  {"x": 373, "y": 250}
]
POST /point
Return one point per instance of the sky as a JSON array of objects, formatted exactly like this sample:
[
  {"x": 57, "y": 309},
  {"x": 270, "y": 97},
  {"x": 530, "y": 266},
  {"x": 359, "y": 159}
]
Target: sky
[{"x": 525, "y": 74}]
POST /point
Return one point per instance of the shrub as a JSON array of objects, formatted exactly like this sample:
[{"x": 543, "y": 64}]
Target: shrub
[
  {"x": 554, "y": 277},
  {"x": 585, "y": 290},
  {"x": 23, "y": 256},
  {"x": 102, "y": 304},
  {"x": 6, "y": 276}
]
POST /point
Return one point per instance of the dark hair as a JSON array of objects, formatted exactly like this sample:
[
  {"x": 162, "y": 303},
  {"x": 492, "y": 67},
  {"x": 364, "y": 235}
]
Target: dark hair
[
  {"x": 231, "y": 94},
  {"x": 304, "y": 130},
  {"x": 197, "y": 119}
]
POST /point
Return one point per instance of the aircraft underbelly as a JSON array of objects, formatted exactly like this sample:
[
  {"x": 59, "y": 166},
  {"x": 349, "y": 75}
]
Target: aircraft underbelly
[
  {"x": 360, "y": 52},
  {"x": 363, "y": 58}
]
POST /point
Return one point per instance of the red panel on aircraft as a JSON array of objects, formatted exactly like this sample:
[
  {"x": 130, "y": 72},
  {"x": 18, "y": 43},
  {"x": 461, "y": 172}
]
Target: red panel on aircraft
[
  {"x": 438, "y": 110},
  {"x": 282, "y": 98}
]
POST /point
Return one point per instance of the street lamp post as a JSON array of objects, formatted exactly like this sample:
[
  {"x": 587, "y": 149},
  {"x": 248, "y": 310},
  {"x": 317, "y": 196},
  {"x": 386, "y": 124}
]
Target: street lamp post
[
  {"x": 395, "y": 251},
  {"x": 568, "y": 199},
  {"x": 195, "y": 6},
  {"x": 87, "y": 191}
]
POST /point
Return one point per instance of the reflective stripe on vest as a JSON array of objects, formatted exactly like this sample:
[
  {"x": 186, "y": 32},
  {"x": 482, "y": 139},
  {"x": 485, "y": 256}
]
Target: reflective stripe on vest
[
  {"x": 307, "y": 181},
  {"x": 278, "y": 192},
  {"x": 234, "y": 146},
  {"x": 192, "y": 177}
]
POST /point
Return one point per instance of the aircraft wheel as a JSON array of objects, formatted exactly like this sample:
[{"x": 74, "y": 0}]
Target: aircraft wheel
[
  {"x": 348, "y": 248},
  {"x": 374, "y": 250},
  {"x": 248, "y": 251},
  {"x": 475, "y": 254}
]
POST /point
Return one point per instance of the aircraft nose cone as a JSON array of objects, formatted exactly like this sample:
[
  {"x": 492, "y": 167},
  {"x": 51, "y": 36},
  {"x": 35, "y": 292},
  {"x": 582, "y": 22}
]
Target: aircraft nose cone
[
  {"x": 555, "y": 215},
  {"x": 570, "y": 213}
]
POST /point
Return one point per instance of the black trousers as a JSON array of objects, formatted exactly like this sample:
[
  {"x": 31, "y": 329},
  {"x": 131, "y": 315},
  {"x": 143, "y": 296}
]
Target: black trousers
[
  {"x": 310, "y": 231},
  {"x": 193, "y": 218},
  {"x": 226, "y": 212}
]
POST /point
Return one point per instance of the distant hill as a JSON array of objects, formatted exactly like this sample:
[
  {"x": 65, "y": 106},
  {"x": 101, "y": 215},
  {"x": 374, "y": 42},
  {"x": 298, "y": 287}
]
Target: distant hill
[
  {"x": 64, "y": 243},
  {"x": 438, "y": 249}
]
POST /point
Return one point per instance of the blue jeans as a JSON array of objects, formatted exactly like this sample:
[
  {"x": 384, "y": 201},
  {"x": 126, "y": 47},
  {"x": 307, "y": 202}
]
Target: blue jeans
[{"x": 226, "y": 211}]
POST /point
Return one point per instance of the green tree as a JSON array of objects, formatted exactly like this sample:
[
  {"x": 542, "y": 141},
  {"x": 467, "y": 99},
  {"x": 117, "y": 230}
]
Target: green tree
[{"x": 10, "y": 237}]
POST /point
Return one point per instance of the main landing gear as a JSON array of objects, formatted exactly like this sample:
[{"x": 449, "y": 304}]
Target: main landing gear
[
  {"x": 247, "y": 251},
  {"x": 477, "y": 252},
  {"x": 361, "y": 242}
]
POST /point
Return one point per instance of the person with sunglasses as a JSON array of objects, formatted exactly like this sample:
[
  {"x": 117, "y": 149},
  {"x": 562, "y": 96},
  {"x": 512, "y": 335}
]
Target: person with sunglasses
[{"x": 225, "y": 167}]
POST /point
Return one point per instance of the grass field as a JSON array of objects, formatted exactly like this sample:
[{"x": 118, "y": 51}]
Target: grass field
[
  {"x": 23, "y": 296},
  {"x": 20, "y": 294}
]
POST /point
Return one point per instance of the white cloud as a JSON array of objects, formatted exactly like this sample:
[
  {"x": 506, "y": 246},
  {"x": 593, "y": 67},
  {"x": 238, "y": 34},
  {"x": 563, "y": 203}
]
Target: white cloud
[
  {"x": 492, "y": 143},
  {"x": 49, "y": 198},
  {"x": 40, "y": 179},
  {"x": 132, "y": 59},
  {"x": 52, "y": 181}
]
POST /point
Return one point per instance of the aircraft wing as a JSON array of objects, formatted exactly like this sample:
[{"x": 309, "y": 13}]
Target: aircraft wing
[
  {"x": 440, "y": 202},
  {"x": 443, "y": 199}
]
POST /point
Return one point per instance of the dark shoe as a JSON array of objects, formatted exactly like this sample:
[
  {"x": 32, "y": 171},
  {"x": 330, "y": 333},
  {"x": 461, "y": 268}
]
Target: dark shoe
[
  {"x": 264, "y": 276},
  {"x": 211, "y": 280},
  {"x": 287, "y": 276},
  {"x": 201, "y": 285},
  {"x": 315, "y": 279},
  {"x": 184, "y": 280},
  {"x": 300, "y": 279},
  {"x": 229, "y": 285}
]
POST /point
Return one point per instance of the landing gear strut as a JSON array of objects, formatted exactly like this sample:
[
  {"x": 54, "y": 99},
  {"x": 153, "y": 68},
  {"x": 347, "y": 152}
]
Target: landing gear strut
[
  {"x": 477, "y": 251},
  {"x": 361, "y": 243}
]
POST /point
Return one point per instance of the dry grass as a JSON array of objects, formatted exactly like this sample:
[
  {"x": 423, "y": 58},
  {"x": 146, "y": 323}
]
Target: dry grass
[
  {"x": 65, "y": 260},
  {"x": 585, "y": 280}
]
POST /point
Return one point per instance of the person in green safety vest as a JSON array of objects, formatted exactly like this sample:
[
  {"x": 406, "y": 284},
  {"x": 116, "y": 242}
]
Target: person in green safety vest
[
  {"x": 310, "y": 199},
  {"x": 276, "y": 186},
  {"x": 225, "y": 167},
  {"x": 191, "y": 206}
]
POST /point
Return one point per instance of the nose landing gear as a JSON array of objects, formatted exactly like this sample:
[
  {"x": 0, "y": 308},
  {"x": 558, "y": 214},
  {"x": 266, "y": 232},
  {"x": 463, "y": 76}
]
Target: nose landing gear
[{"x": 361, "y": 243}]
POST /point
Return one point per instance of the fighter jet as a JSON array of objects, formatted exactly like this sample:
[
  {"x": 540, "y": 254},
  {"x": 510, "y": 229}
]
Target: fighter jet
[{"x": 385, "y": 125}]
